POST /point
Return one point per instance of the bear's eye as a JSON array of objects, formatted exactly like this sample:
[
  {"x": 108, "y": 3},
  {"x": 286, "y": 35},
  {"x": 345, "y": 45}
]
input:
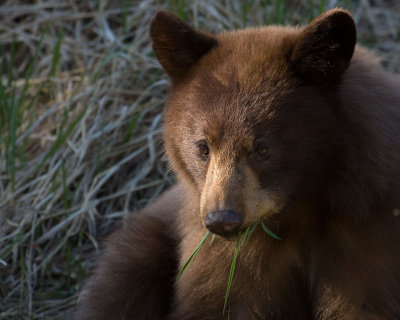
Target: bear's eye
[
  {"x": 204, "y": 150},
  {"x": 262, "y": 151}
]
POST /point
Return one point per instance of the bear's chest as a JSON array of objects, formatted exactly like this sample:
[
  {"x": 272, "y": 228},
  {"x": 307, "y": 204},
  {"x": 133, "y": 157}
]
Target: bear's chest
[{"x": 268, "y": 281}]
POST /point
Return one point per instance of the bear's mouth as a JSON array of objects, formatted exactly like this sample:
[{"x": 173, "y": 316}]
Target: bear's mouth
[
  {"x": 232, "y": 237},
  {"x": 245, "y": 233}
]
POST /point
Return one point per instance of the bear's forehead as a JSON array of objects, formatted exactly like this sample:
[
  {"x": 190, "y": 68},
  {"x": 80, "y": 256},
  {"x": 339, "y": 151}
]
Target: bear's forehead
[
  {"x": 254, "y": 56},
  {"x": 268, "y": 42},
  {"x": 246, "y": 71}
]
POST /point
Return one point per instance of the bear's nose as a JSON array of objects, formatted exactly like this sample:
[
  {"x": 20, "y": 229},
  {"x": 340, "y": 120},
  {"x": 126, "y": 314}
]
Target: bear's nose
[{"x": 224, "y": 223}]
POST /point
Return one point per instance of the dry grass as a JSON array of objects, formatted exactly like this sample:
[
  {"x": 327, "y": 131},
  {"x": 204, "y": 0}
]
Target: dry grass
[{"x": 80, "y": 102}]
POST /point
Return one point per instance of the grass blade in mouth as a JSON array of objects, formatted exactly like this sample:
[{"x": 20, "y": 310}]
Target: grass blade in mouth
[
  {"x": 233, "y": 266},
  {"x": 249, "y": 231},
  {"x": 193, "y": 255},
  {"x": 269, "y": 232},
  {"x": 212, "y": 239},
  {"x": 242, "y": 238}
]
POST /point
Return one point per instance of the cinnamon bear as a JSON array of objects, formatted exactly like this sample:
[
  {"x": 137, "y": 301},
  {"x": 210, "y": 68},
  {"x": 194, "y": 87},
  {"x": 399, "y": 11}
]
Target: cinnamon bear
[{"x": 294, "y": 129}]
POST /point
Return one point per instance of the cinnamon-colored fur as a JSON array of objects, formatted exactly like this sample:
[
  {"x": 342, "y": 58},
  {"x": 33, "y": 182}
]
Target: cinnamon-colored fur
[
  {"x": 329, "y": 184},
  {"x": 136, "y": 274}
]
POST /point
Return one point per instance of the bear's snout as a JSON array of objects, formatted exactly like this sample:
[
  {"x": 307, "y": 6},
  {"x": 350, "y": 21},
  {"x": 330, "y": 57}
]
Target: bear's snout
[{"x": 225, "y": 223}]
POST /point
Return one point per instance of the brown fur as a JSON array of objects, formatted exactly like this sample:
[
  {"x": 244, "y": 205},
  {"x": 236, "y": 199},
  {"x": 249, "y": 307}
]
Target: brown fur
[
  {"x": 135, "y": 277},
  {"x": 329, "y": 185}
]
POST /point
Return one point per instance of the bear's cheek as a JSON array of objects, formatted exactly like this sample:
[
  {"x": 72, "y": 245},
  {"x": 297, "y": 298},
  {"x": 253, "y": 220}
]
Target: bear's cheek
[{"x": 259, "y": 202}]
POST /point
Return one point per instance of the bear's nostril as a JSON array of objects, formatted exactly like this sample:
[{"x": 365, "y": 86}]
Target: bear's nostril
[{"x": 224, "y": 223}]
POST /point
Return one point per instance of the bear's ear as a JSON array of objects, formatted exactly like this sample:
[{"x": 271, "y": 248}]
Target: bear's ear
[
  {"x": 177, "y": 46},
  {"x": 325, "y": 47}
]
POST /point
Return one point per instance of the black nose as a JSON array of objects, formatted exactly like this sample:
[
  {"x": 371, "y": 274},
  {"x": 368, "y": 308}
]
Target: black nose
[{"x": 224, "y": 223}]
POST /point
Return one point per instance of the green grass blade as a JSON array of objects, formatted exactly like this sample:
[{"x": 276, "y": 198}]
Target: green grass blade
[
  {"x": 3, "y": 97},
  {"x": 193, "y": 255},
  {"x": 252, "y": 228},
  {"x": 245, "y": 10},
  {"x": 60, "y": 140},
  {"x": 245, "y": 235},
  {"x": 12, "y": 61},
  {"x": 321, "y": 7},
  {"x": 279, "y": 11},
  {"x": 32, "y": 62},
  {"x": 269, "y": 232},
  {"x": 181, "y": 10},
  {"x": 132, "y": 126},
  {"x": 56, "y": 55},
  {"x": 212, "y": 239},
  {"x": 232, "y": 271}
]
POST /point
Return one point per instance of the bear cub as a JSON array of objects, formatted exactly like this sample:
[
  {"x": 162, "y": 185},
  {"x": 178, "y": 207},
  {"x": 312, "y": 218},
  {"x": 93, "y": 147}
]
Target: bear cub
[{"x": 296, "y": 129}]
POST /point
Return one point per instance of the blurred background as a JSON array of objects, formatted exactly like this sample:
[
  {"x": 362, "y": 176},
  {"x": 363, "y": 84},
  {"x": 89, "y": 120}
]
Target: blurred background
[{"x": 81, "y": 96}]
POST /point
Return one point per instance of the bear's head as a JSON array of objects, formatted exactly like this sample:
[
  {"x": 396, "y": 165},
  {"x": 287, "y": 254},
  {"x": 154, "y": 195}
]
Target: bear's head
[{"x": 252, "y": 118}]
